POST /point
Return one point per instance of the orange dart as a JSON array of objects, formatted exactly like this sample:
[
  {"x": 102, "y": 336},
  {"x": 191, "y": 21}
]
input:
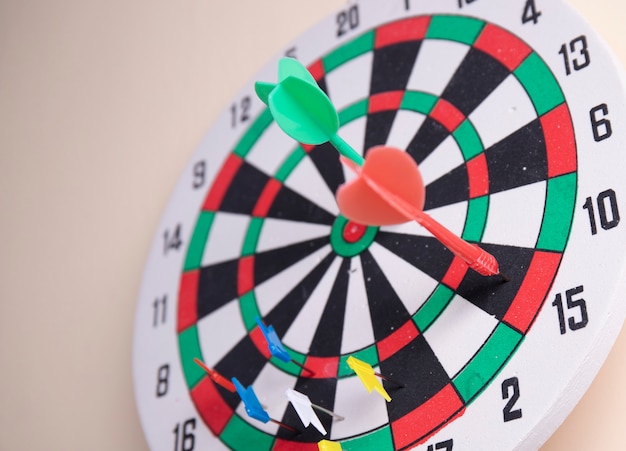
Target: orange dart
[
  {"x": 389, "y": 190},
  {"x": 216, "y": 377}
]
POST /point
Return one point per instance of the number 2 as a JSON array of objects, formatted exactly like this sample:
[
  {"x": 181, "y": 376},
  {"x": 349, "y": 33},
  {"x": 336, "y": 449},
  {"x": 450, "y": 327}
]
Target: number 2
[{"x": 508, "y": 413}]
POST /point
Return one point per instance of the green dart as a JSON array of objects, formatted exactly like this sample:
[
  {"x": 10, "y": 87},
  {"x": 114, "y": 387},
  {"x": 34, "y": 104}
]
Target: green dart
[{"x": 302, "y": 110}]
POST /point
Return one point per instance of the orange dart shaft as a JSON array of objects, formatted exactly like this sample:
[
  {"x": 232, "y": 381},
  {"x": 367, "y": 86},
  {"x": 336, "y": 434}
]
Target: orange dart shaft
[
  {"x": 216, "y": 377},
  {"x": 478, "y": 259}
]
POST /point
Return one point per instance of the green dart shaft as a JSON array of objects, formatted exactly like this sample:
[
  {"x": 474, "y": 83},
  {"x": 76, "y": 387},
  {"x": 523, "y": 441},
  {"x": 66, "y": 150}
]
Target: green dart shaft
[
  {"x": 346, "y": 150},
  {"x": 302, "y": 110}
]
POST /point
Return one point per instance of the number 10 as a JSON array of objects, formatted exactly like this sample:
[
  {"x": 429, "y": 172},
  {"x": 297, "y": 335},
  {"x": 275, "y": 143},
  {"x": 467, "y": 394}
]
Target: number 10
[{"x": 606, "y": 223}]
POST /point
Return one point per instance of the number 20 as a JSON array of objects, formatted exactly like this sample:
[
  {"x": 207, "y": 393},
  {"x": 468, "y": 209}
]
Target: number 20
[{"x": 347, "y": 20}]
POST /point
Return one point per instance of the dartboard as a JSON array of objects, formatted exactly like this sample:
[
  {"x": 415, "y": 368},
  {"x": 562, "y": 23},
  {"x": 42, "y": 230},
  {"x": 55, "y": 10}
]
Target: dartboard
[{"x": 512, "y": 113}]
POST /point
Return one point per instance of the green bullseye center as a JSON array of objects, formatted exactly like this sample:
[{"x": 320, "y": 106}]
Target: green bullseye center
[{"x": 349, "y": 239}]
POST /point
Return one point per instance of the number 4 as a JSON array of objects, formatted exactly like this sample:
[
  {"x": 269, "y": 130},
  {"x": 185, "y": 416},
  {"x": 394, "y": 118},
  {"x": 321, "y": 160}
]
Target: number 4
[{"x": 530, "y": 13}]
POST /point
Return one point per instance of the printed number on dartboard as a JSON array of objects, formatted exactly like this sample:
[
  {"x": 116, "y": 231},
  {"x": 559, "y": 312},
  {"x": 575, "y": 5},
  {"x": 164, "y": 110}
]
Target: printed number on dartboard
[
  {"x": 600, "y": 123},
  {"x": 573, "y": 312},
  {"x": 511, "y": 392},
  {"x": 199, "y": 174},
  {"x": 576, "y": 55},
  {"x": 603, "y": 209},
  {"x": 172, "y": 239},
  {"x": 163, "y": 380},
  {"x": 240, "y": 111},
  {"x": 184, "y": 435},
  {"x": 348, "y": 20},
  {"x": 530, "y": 13},
  {"x": 443, "y": 446},
  {"x": 159, "y": 311}
]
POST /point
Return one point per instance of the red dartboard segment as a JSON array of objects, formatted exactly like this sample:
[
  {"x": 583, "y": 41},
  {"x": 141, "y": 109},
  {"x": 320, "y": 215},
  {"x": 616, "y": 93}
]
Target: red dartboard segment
[
  {"x": 397, "y": 340},
  {"x": 211, "y": 406},
  {"x": 245, "y": 275},
  {"x": 503, "y": 46},
  {"x": 386, "y": 101},
  {"x": 560, "y": 141},
  {"x": 222, "y": 182},
  {"x": 455, "y": 274},
  {"x": 478, "y": 174},
  {"x": 257, "y": 337},
  {"x": 418, "y": 425},
  {"x": 533, "y": 291},
  {"x": 407, "y": 30},
  {"x": 288, "y": 445},
  {"x": 447, "y": 115},
  {"x": 317, "y": 70},
  {"x": 267, "y": 198},
  {"x": 322, "y": 367},
  {"x": 188, "y": 300}
]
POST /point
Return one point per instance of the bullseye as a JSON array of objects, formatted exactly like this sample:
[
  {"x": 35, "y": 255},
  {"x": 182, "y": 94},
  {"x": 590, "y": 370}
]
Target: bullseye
[
  {"x": 349, "y": 238},
  {"x": 353, "y": 232}
]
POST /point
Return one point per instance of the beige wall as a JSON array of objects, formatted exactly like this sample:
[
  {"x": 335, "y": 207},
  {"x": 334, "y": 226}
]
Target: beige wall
[{"x": 101, "y": 104}]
